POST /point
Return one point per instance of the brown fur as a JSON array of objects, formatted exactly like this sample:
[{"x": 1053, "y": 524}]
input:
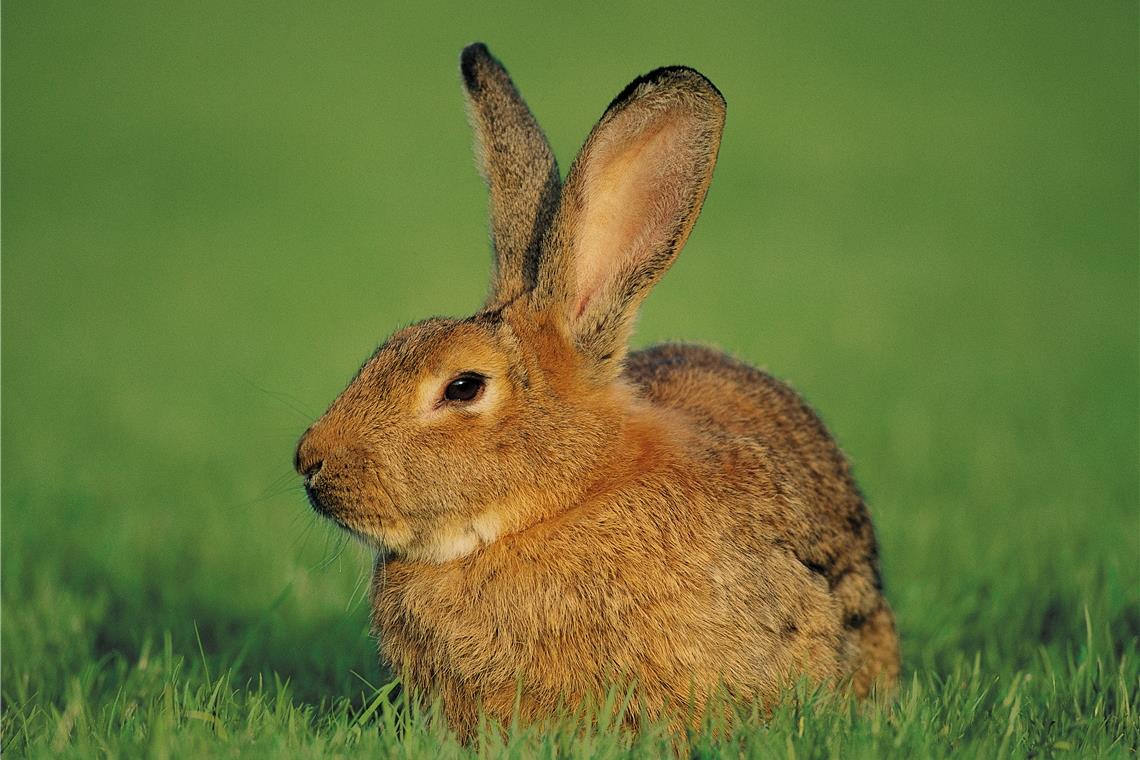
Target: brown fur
[
  {"x": 671, "y": 518},
  {"x": 519, "y": 166}
]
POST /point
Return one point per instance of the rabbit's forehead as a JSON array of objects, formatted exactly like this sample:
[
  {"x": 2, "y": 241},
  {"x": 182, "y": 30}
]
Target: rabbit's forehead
[{"x": 441, "y": 346}]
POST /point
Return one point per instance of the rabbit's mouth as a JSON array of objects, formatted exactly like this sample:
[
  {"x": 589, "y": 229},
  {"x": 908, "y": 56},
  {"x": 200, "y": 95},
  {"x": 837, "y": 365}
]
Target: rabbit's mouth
[
  {"x": 369, "y": 518},
  {"x": 316, "y": 503},
  {"x": 325, "y": 504}
]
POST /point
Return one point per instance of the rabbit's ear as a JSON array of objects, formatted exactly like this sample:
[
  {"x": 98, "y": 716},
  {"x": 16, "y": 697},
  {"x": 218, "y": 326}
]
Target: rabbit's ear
[
  {"x": 518, "y": 165},
  {"x": 630, "y": 200}
]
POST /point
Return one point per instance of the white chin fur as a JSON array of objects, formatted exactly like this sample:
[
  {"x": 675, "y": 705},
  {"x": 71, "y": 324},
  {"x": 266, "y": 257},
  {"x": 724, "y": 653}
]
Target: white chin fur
[{"x": 457, "y": 542}]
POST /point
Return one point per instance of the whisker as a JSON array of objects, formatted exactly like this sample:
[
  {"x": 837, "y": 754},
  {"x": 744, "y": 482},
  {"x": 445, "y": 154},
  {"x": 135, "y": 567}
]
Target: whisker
[
  {"x": 352, "y": 600},
  {"x": 271, "y": 493},
  {"x": 287, "y": 400},
  {"x": 343, "y": 542},
  {"x": 302, "y": 539}
]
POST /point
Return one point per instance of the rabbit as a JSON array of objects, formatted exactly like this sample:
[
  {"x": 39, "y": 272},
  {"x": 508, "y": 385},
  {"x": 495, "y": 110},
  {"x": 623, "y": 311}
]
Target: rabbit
[{"x": 553, "y": 514}]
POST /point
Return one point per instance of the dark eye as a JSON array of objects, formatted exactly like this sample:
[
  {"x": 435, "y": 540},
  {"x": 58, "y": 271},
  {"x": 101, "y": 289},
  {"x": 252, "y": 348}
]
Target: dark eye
[{"x": 464, "y": 388}]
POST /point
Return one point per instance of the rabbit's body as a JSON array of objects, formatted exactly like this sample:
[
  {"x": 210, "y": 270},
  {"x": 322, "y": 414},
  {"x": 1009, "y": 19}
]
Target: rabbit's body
[
  {"x": 699, "y": 585},
  {"x": 556, "y": 516}
]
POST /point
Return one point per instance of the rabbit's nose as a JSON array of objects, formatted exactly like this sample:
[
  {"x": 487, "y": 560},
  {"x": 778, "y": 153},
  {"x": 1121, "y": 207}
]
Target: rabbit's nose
[
  {"x": 313, "y": 470},
  {"x": 307, "y": 460}
]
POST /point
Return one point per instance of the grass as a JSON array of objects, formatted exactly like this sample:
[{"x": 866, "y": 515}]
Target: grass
[
  {"x": 924, "y": 217},
  {"x": 1085, "y": 705}
]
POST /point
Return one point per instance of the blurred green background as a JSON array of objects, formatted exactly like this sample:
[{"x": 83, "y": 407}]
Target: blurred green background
[{"x": 924, "y": 217}]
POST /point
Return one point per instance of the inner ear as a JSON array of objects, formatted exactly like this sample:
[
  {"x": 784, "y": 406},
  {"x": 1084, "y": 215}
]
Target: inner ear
[{"x": 633, "y": 181}]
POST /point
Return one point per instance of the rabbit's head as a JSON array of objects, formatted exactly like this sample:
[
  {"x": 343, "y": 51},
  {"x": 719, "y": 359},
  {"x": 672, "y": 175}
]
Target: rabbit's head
[{"x": 457, "y": 432}]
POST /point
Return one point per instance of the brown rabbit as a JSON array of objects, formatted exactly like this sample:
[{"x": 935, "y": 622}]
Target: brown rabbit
[{"x": 553, "y": 515}]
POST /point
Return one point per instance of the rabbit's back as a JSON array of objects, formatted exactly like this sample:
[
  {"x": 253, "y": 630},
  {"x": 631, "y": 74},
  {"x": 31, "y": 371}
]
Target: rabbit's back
[{"x": 820, "y": 517}]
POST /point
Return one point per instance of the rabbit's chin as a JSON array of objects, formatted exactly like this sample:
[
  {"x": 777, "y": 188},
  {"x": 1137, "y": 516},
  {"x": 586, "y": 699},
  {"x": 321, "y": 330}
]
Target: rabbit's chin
[
  {"x": 349, "y": 520},
  {"x": 369, "y": 542}
]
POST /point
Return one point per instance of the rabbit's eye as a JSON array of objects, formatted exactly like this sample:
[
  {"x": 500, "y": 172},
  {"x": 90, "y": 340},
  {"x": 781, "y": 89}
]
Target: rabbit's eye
[{"x": 464, "y": 388}]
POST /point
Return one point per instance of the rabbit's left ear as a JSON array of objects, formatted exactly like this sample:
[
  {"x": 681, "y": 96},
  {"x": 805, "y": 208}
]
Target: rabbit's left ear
[
  {"x": 629, "y": 203},
  {"x": 520, "y": 169}
]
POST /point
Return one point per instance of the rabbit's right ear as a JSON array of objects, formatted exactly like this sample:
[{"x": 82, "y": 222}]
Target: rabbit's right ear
[{"x": 519, "y": 167}]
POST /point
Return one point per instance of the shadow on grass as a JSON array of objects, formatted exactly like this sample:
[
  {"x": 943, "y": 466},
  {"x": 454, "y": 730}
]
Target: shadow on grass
[{"x": 58, "y": 621}]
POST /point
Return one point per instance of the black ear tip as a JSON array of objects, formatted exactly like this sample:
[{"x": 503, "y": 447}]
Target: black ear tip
[
  {"x": 679, "y": 75},
  {"x": 474, "y": 50},
  {"x": 469, "y": 61},
  {"x": 692, "y": 75}
]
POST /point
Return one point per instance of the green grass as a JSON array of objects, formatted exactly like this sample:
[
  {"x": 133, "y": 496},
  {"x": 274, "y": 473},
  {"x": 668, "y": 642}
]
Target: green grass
[{"x": 925, "y": 217}]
